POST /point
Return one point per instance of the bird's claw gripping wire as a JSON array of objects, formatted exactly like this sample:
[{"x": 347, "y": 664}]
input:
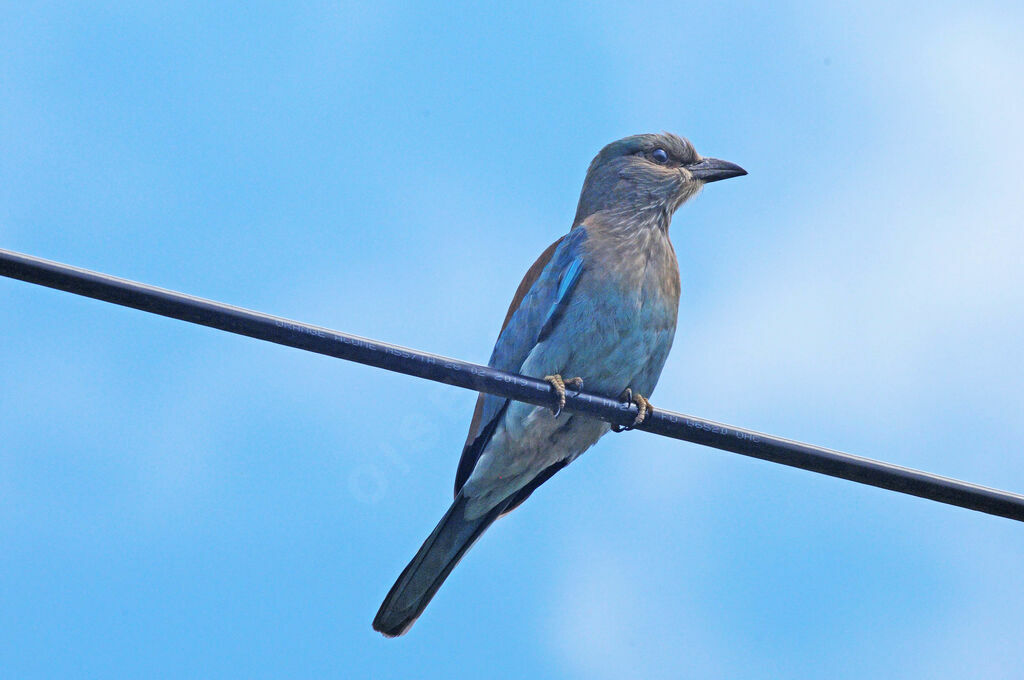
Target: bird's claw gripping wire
[
  {"x": 558, "y": 385},
  {"x": 642, "y": 408}
]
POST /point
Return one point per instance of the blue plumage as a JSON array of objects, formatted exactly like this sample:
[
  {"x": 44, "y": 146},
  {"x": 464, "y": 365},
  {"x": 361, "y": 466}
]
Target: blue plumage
[
  {"x": 599, "y": 304},
  {"x": 569, "y": 278}
]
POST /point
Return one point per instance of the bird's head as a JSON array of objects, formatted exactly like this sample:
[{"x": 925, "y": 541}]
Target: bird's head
[{"x": 647, "y": 176}]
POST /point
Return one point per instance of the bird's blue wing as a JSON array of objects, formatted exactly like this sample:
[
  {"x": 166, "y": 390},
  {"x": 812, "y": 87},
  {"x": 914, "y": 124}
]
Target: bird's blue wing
[
  {"x": 538, "y": 305},
  {"x": 565, "y": 287}
]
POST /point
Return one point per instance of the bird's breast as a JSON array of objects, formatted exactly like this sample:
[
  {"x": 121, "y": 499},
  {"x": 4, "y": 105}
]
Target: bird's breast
[
  {"x": 623, "y": 312},
  {"x": 638, "y": 270}
]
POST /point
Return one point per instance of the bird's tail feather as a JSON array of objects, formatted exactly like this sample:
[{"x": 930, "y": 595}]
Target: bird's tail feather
[{"x": 442, "y": 550}]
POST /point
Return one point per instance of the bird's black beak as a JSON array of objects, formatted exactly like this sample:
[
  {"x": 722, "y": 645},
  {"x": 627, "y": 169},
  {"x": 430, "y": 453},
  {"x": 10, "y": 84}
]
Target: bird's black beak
[{"x": 712, "y": 170}]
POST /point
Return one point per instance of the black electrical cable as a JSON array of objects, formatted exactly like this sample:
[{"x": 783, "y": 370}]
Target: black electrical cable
[{"x": 484, "y": 379}]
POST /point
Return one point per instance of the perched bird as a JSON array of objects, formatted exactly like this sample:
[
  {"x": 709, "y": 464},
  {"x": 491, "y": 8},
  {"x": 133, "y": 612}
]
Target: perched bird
[{"x": 598, "y": 308}]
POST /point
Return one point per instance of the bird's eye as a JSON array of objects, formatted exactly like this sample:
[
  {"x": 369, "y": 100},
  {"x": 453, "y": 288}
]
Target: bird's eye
[{"x": 659, "y": 156}]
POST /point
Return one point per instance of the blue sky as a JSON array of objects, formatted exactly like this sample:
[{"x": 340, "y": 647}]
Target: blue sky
[{"x": 178, "y": 502}]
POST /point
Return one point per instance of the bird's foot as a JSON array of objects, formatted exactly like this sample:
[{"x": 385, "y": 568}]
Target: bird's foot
[
  {"x": 642, "y": 408},
  {"x": 558, "y": 385}
]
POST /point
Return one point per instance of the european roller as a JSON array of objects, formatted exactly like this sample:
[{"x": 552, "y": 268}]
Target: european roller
[{"x": 597, "y": 309}]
